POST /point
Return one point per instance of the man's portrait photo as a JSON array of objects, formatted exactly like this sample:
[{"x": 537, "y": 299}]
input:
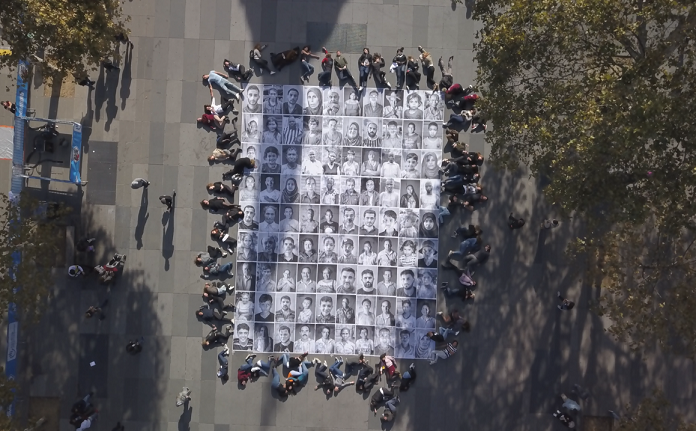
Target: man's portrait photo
[
  {"x": 384, "y": 341},
  {"x": 405, "y": 344},
  {"x": 252, "y": 103},
  {"x": 264, "y": 311},
  {"x": 292, "y": 130},
  {"x": 243, "y": 339},
  {"x": 333, "y": 101},
  {"x": 385, "y": 315},
  {"x": 285, "y": 304},
  {"x": 325, "y": 312},
  {"x": 292, "y": 100},
  {"x": 345, "y": 340},
  {"x": 304, "y": 338},
  {"x": 345, "y": 313},
  {"x": 284, "y": 334}
]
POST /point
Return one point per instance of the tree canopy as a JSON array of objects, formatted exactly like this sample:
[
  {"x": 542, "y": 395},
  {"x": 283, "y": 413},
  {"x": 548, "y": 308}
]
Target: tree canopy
[
  {"x": 599, "y": 95},
  {"x": 653, "y": 413},
  {"x": 68, "y": 35},
  {"x": 28, "y": 227}
]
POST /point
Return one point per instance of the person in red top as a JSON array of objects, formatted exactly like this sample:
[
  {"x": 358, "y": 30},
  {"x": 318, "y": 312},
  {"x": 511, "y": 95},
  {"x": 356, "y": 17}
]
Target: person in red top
[
  {"x": 211, "y": 119},
  {"x": 388, "y": 364}
]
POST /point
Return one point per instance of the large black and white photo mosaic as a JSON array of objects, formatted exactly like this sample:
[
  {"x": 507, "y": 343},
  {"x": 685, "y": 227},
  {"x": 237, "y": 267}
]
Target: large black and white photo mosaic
[{"x": 341, "y": 253}]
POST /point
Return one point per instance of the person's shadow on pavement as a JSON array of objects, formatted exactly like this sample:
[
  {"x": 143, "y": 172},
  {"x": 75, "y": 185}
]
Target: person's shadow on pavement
[
  {"x": 143, "y": 215},
  {"x": 168, "y": 236},
  {"x": 185, "y": 418}
]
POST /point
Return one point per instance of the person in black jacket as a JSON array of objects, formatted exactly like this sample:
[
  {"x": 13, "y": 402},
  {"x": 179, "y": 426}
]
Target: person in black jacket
[
  {"x": 377, "y": 73},
  {"x": 478, "y": 258},
  {"x": 401, "y": 61},
  {"x": 413, "y": 76},
  {"x": 515, "y": 223},
  {"x": 239, "y": 166},
  {"x": 468, "y": 232},
  {"x": 223, "y": 189},
  {"x": 217, "y": 204},
  {"x": 365, "y": 67}
]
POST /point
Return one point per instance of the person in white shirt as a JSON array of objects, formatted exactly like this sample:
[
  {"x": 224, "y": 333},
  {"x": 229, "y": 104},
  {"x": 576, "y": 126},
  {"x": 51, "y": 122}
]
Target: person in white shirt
[
  {"x": 389, "y": 198},
  {"x": 312, "y": 166},
  {"x": 429, "y": 200},
  {"x": 288, "y": 224},
  {"x": 268, "y": 224},
  {"x": 390, "y": 169}
]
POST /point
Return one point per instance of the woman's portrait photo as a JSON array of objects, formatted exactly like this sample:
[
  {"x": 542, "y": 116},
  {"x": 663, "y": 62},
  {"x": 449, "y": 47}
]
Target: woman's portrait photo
[
  {"x": 248, "y": 190},
  {"x": 313, "y": 101},
  {"x": 351, "y": 106},
  {"x": 351, "y": 133},
  {"x": 414, "y": 106},
  {"x": 431, "y": 166},
  {"x": 272, "y": 99},
  {"x": 272, "y": 130}
]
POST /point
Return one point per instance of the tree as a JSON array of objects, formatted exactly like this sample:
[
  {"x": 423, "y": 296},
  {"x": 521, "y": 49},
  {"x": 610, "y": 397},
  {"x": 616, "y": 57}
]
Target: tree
[
  {"x": 599, "y": 96},
  {"x": 653, "y": 414},
  {"x": 28, "y": 228},
  {"x": 647, "y": 279},
  {"x": 68, "y": 34}
]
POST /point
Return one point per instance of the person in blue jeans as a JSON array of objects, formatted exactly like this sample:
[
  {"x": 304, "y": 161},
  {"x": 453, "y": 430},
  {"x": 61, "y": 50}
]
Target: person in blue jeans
[
  {"x": 466, "y": 246},
  {"x": 295, "y": 376},
  {"x": 219, "y": 79},
  {"x": 307, "y": 69},
  {"x": 408, "y": 378},
  {"x": 224, "y": 364},
  {"x": 365, "y": 67}
]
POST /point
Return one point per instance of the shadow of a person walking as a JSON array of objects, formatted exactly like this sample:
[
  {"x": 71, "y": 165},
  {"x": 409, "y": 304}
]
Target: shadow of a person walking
[
  {"x": 126, "y": 76},
  {"x": 185, "y": 418},
  {"x": 143, "y": 215},
  {"x": 167, "y": 236}
]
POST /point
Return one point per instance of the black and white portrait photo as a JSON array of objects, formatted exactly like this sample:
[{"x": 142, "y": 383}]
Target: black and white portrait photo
[
  {"x": 429, "y": 194},
  {"x": 410, "y": 191},
  {"x": 244, "y": 306},
  {"x": 312, "y": 131},
  {"x": 434, "y": 106},
  {"x": 432, "y": 136},
  {"x": 292, "y": 160},
  {"x": 290, "y": 219},
  {"x": 413, "y": 109},
  {"x": 424, "y": 345},
  {"x": 367, "y": 280},
  {"x": 337, "y": 248},
  {"x": 249, "y": 189},
  {"x": 290, "y": 193},
  {"x": 265, "y": 277},
  {"x": 252, "y": 103},
  {"x": 243, "y": 336},
  {"x": 373, "y": 104},
  {"x": 273, "y": 100},
  {"x": 250, "y": 219},
  {"x": 330, "y": 192},
  {"x": 351, "y": 104},
  {"x": 325, "y": 339},
  {"x": 247, "y": 246},
  {"x": 272, "y": 128},
  {"x": 263, "y": 337},
  {"x": 431, "y": 165},
  {"x": 405, "y": 343},
  {"x": 333, "y": 102},
  {"x": 292, "y": 100},
  {"x": 307, "y": 278},
  {"x": 351, "y": 132},
  {"x": 427, "y": 253},
  {"x": 284, "y": 336},
  {"x": 288, "y": 250},
  {"x": 351, "y": 161},
  {"x": 384, "y": 341},
  {"x": 427, "y": 283},
  {"x": 371, "y": 162},
  {"x": 393, "y": 104},
  {"x": 292, "y": 130},
  {"x": 412, "y": 139},
  {"x": 345, "y": 340},
  {"x": 331, "y": 129},
  {"x": 345, "y": 312},
  {"x": 251, "y": 128},
  {"x": 304, "y": 338},
  {"x": 408, "y": 223},
  {"x": 313, "y": 101},
  {"x": 287, "y": 274},
  {"x": 425, "y": 308},
  {"x": 305, "y": 308},
  {"x": 371, "y": 136},
  {"x": 269, "y": 188},
  {"x": 392, "y": 133},
  {"x": 245, "y": 279}
]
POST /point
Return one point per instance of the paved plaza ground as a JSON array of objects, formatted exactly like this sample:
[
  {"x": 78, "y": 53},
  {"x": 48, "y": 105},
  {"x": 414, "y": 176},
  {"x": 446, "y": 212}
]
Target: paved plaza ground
[{"x": 521, "y": 353}]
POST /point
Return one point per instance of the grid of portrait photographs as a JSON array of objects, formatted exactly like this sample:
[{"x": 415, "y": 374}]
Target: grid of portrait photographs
[{"x": 337, "y": 251}]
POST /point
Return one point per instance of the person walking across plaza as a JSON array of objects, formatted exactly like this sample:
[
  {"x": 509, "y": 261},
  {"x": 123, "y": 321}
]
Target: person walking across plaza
[
  {"x": 139, "y": 182},
  {"x": 565, "y": 305},
  {"x": 168, "y": 200},
  {"x": 183, "y": 397}
]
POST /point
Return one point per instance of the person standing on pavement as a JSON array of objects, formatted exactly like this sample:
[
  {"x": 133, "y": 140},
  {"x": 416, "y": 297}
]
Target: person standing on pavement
[
  {"x": 139, "y": 182},
  {"x": 183, "y": 397},
  {"x": 168, "y": 200}
]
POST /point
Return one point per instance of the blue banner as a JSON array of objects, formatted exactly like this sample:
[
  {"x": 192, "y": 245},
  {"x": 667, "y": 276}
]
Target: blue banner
[{"x": 76, "y": 154}]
